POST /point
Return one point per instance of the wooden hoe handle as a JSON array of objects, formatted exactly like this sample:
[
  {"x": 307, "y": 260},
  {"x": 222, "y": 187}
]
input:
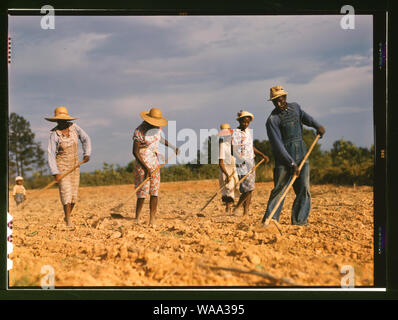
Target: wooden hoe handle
[
  {"x": 54, "y": 182},
  {"x": 223, "y": 186},
  {"x": 291, "y": 182}
]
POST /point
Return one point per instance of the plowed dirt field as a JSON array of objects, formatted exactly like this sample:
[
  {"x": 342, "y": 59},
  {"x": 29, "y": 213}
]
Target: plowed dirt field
[{"x": 184, "y": 249}]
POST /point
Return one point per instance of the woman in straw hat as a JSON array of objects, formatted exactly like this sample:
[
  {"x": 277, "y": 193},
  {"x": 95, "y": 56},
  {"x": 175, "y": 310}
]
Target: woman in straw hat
[
  {"x": 244, "y": 150},
  {"x": 285, "y": 128},
  {"x": 63, "y": 156},
  {"x": 228, "y": 175},
  {"x": 147, "y": 137}
]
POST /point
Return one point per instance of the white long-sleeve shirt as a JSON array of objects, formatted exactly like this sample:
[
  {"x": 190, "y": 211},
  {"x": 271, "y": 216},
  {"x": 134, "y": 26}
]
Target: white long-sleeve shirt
[{"x": 53, "y": 143}]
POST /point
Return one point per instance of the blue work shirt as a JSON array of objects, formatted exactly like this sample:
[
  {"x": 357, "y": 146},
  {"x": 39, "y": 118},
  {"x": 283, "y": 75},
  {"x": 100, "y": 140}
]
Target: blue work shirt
[{"x": 285, "y": 133}]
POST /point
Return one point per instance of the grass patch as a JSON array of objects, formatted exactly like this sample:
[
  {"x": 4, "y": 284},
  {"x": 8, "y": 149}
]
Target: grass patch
[
  {"x": 261, "y": 267},
  {"x": 215, "y": 240}
]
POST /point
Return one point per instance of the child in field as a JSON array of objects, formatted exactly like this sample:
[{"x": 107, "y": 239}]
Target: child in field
[
  {"x": 228, "y": 175},
  {"x": 147, "y": 137},
  {"x": 19, "y": 191},
  {"x": 244, "y": 150}
]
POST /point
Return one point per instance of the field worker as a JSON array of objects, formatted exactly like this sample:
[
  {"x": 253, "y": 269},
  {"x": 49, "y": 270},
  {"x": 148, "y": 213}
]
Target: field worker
[
  {"x": 19, "y": 191},
  {"x": 228, "y": 175},
  {"x": 284, "y": 129},
  {"x": 146, "y": 139},
  {"x": 63, "y": 156},
  {"x": 244, "y": 150}
]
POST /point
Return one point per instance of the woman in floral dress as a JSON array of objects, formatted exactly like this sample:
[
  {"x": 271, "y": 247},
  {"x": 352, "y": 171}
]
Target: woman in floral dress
[
  {"x": 244, "y": 150},
  {"x": 146, "y": 139}
]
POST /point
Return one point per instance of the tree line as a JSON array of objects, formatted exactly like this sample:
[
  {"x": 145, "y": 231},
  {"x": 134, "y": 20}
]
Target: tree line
[
  {"x": 25, "y": 155},
  {"x": 343, "y": 164}
]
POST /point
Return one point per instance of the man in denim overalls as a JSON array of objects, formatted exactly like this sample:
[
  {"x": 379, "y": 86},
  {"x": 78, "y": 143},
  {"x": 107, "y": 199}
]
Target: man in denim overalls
[{"x": 284, "y": 129}]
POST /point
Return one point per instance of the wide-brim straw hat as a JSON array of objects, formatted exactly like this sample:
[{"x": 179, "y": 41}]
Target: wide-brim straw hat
[
  {"x": 243, "y": 113},
  {"x": 225, "y": 130},
  {"x": 154, "y": 117},
  {"x": 61, "y": 113},
  {"x": 276, "y": 92},
  {"x": 18, "y": 178}
]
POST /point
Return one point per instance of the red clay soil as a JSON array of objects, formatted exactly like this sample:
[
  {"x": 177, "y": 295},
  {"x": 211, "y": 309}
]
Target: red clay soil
[{"x": 186, "y": 250}]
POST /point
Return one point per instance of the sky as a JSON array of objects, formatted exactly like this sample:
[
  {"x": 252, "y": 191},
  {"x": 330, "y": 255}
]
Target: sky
[{"x": 199, "y": 70}]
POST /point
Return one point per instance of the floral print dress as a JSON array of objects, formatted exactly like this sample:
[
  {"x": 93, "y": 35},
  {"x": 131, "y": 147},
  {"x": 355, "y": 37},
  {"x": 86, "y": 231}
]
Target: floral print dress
[
  {"x": 149, "y": 143},
  {"x": 242, "y": 141}
]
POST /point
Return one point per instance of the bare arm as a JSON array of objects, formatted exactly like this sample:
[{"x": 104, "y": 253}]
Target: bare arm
[
  {"x": 261, "y": 154},
  {"x": 167, "y": 144},
  {"x": 222, "y": 166}
]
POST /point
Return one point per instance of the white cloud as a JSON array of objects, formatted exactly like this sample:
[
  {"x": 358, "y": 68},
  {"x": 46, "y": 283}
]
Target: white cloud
[
  {"x": 347, "y": 110},
  {"x": 131, "y": 106},
  {"x": 357, "y": 59},
  {"x": 335, "y": 91},
  {"x": 205, "y": 70},
  {"x": 48, "y": 55},
  {"x": 95, "y": 121},
  {"x": 342, "y": 91}
]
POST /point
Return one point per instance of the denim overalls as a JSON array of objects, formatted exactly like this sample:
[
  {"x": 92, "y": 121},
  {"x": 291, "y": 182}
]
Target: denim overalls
[{"x": 291, "y": 131}]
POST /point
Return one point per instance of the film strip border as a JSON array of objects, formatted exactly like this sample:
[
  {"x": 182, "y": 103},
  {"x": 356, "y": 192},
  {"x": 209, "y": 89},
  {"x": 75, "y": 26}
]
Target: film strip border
[
  {"x": 9, "y": 50},
  {"x": 10, "y": 246}
]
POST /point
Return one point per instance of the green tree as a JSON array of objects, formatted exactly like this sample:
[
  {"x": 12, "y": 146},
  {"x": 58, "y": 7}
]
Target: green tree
[
  {"x": 318, "y": 158},
  {"x": 348, "y": 164},
  {"x": 265, "y": 147},
  {"x": 346, "y": 153},
  {"x": 40, "y": 163},
  {"x": 130, "y": 166},
  {"x": 25, "y": 154}
]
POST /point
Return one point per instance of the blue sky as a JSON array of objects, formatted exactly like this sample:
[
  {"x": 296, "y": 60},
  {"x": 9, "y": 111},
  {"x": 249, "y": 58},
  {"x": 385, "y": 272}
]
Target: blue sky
[{"x": 200, "y": 70}]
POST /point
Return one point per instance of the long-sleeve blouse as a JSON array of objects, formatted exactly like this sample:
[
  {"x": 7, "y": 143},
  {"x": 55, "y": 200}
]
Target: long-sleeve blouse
[{"x": 53, "y": 144}]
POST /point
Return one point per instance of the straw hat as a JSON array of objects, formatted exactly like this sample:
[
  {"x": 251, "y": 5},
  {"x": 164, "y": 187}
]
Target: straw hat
[
  {"x": 225, "y": 130},
  {"x": 243, "y": 113},
  {"x": 276, "y": 92},
  {"x": 60, "y": 113},
  {"x": 154, "y": 117},
  {"x": 18, "y": 178}
]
